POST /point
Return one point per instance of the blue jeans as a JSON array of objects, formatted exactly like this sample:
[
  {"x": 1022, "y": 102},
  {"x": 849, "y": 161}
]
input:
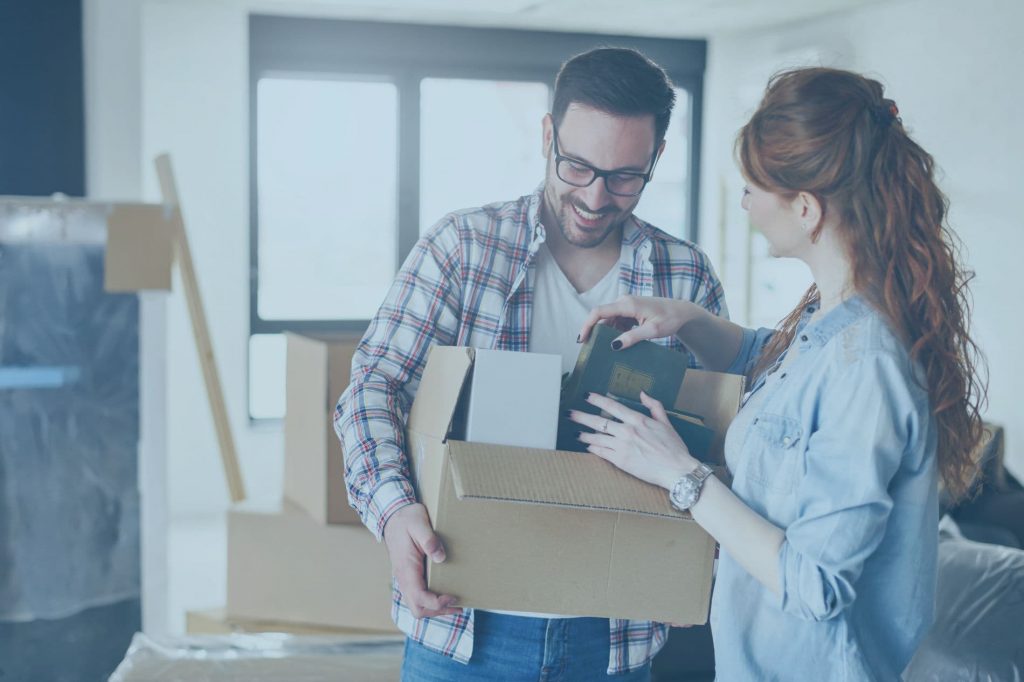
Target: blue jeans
[{"x": 522, "y": 648}]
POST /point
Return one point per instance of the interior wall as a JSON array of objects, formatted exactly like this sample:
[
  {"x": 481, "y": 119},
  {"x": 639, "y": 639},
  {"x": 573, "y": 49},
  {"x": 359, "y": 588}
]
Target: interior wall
[
  {"x": 194, "y": 66},
  {"x": 954, "y": 71}
]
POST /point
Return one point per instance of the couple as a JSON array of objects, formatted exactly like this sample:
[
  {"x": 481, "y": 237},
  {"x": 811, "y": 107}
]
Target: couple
[{"x": 861, "y": 401}]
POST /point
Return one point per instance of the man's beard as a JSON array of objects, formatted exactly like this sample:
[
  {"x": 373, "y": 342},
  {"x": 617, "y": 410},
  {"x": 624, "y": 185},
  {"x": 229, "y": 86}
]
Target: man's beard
[{"x": 563, "y": 213}]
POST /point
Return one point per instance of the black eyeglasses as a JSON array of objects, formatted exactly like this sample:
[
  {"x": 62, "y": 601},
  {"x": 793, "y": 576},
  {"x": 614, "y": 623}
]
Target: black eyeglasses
[{"x": 621, "y": 183}]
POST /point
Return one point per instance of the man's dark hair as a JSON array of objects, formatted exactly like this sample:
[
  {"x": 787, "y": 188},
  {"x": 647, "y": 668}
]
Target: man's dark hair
[{"x": 618, "y": 81}]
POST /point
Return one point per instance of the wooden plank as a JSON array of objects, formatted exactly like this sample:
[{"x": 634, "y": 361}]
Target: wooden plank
[{"x": 201, "y": 332}]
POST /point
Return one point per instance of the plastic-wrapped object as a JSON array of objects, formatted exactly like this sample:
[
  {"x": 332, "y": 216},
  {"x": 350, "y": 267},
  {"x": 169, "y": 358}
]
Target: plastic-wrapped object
[
  {"x": 978, "y": 634},
  {"x": 260, "y": 658},
  {"x": 69, "y": 403}
]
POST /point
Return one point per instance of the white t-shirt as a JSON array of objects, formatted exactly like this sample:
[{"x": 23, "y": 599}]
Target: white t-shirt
[
  {"x": 558, "y": 313},
  {"x": 559, "y": 310}
]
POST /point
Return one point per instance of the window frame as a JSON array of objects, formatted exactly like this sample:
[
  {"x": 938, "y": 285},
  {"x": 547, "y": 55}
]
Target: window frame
[{"x": 405, "y": 54}]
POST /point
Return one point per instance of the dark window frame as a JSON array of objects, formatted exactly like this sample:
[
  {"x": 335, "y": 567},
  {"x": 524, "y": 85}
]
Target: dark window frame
[{"x": 407, "y": 53}]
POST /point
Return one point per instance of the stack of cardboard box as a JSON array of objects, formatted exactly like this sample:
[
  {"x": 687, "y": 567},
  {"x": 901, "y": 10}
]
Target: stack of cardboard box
[{"x": 309, "y": 561}]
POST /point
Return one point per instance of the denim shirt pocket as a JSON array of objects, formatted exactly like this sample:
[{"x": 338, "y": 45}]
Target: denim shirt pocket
[{"x": 776, "y": 452}]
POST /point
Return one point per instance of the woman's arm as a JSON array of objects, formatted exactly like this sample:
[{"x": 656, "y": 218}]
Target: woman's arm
[{"x": 714, "y": 340}]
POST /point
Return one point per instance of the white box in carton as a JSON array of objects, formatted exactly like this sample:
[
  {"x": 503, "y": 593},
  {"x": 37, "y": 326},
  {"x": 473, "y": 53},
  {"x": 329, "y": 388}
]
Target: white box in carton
[
  {"x": 314, "y": 466},
  {"x": 513, "y": 399},
  {"x": 284, "y": 566}
]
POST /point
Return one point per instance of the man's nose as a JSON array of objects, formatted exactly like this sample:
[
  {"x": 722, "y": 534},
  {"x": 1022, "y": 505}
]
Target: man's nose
[{"x": 596, "y": 195}]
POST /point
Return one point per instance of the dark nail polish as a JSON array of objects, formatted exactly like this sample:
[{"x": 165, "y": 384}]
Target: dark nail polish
[
  {"x": 568, "y": 414},
  {"x": 578, "y": 339},
  {"x": 616, "y": 345}
]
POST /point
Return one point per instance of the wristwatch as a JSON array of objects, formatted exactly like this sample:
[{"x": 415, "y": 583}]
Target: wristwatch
[{"x": 686, "y": 491}]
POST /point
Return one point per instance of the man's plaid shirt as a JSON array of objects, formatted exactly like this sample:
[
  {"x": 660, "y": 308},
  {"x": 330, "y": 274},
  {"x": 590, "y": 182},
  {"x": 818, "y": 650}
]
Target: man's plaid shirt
[{"x": 469, "y": 282}]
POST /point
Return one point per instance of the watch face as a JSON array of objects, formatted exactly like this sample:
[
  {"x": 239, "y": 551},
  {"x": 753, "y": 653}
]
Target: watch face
[{"x": 684, "y": 493}]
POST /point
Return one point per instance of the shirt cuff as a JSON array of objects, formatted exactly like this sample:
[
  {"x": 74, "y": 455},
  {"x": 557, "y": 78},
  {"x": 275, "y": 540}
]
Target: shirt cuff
[{"x": 387, "y": 498}]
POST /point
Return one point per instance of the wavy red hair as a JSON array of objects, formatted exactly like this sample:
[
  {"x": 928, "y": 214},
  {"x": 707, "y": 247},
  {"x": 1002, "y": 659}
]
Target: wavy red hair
[{"x": 833, "y": 134}]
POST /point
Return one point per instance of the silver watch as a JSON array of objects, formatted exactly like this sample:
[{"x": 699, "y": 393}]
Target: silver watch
[{"x": 686, "y": 491}]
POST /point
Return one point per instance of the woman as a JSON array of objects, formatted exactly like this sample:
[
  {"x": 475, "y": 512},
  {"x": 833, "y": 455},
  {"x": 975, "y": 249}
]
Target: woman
[{"x": 857, "y": 403}]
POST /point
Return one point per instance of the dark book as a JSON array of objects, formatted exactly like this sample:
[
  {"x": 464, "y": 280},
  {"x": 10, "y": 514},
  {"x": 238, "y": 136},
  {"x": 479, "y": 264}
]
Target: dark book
[
  {"x": 656, "y": 370},
  {"x": 690, "y": 427}
]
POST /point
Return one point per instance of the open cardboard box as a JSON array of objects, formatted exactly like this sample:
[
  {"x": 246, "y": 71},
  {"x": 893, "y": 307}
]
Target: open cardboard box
[{"x": 558, "y": 532}]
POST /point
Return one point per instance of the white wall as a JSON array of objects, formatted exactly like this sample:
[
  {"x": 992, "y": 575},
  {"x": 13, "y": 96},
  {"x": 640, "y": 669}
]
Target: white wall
[
  {"x": 954, "y": 69},
  {"x": 194, "y": 65}
]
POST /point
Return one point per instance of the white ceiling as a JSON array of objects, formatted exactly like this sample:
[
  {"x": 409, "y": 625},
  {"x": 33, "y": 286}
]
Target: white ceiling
[{"x": 668, "y": 18}]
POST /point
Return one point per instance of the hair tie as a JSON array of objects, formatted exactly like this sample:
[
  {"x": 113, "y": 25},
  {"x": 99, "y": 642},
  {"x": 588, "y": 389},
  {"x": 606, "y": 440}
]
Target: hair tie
[{"x": 886, "y": 113}]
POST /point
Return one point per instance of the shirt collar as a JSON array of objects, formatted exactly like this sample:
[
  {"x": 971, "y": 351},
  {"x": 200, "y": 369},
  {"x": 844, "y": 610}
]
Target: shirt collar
[{"x": 836, "y": 320}]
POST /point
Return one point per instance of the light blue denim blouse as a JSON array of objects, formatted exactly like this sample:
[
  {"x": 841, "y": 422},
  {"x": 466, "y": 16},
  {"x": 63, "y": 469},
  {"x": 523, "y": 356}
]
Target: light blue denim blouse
[{"x": 838, "y": 449}]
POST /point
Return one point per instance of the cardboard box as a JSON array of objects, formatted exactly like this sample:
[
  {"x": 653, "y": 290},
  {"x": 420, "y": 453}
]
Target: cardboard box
[
  {"x": 314, "y": 467},
  {"x": 512, "y": 399},
  {"x": 553, "y": 531},
  {"x": 217, "y": 622},
  {"x": 284, "y": 566}
]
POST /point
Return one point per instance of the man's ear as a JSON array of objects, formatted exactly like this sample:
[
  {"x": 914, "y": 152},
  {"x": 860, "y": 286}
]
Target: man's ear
[
  {"x": 657, "y": 157},
  {"x": 547, "y": 130}
]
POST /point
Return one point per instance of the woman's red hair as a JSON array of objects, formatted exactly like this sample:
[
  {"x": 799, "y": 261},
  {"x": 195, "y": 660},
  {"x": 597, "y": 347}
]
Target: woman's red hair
[{"x": 833, "y": 134}]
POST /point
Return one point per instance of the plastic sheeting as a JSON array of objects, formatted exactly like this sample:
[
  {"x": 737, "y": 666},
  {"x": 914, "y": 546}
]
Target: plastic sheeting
[
  {"x": 259, "y": 658},
  {"x": 978, "y": 634},
  {"x": 69, "y": 395}
]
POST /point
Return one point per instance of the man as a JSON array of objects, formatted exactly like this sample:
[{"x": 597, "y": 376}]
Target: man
[{"x": 520, "y": 275}]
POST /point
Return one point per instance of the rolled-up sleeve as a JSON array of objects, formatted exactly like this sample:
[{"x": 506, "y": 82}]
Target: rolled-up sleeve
[
  {"x": 751, "y": 347},
  {"x": 868, "y": 419},
  {"x": 420, "y": 310}
]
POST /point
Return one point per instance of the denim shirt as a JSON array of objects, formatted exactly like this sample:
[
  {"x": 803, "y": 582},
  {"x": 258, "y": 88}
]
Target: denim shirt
[{"x": 837, "y": 448}]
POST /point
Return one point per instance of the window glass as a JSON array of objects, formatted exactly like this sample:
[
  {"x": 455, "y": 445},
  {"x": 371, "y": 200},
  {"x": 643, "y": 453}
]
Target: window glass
[
  {"x": 327, "y": 171},
  {"x": 480, "y": 142}
]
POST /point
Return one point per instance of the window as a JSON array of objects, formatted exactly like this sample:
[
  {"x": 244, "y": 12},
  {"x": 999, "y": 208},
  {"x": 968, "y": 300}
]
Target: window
[{"x": 363, "y": 135}]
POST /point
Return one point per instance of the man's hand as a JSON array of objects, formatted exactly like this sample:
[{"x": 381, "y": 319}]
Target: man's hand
[{"x": 409, "y": 538}]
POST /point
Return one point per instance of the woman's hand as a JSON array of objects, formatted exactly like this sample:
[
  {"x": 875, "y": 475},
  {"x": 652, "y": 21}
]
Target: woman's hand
[
  {"x": 646, "y": 447},
  {"x": 641, "y": 318}
]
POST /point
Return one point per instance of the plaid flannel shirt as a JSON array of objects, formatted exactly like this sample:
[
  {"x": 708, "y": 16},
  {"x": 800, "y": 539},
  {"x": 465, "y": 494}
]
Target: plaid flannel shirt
[{"x": 469, "y": 282}]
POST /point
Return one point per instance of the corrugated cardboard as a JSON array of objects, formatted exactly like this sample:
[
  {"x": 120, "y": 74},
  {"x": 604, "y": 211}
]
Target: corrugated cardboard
[
  {"x": 513, "y": 399},
  {"x": 140, "y": 248},
  {"x": 314, "y": 466},
  {"x": 217, "y": 622},
  {"x": 553, "y": 531},
  {"x": 284, "y": 566}
]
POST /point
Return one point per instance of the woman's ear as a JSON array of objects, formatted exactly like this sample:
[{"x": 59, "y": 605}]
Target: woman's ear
[{"x": 809, "y": 213}]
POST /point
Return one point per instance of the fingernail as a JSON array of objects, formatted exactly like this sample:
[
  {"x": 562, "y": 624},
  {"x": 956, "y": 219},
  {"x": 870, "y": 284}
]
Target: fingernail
[
  {"x": 589, "y": 396},
  {"x": 616, "y": 345},
  {"x": 568, "y": 413},
  {"x": 578, "y": 434}
]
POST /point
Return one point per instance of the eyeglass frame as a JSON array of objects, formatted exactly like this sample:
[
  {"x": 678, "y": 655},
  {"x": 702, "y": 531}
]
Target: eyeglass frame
[{"x": 598, "y": 173}]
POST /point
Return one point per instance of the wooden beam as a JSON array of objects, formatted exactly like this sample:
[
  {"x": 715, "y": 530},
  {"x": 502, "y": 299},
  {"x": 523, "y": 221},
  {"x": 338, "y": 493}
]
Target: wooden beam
[{"x": 201, "y": 332}]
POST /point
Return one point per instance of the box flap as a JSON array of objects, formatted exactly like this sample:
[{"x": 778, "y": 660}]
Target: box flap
[
  {"x": 716, "y": 397},
  {"x": 439, "y": 390},
  {"x": 551, "y": 477}
]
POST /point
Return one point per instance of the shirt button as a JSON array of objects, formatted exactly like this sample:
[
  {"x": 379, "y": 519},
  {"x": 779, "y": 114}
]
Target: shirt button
[
  {"x": 786, "y": 440},
  {"x": 804, "y": 338}
]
